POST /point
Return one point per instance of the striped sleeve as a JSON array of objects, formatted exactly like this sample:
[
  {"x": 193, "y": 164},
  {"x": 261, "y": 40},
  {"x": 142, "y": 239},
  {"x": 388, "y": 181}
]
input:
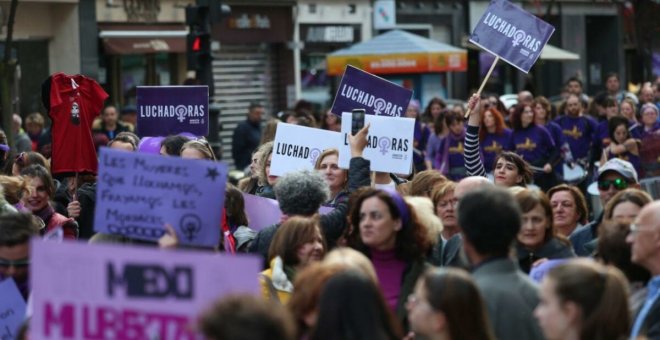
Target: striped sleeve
[{"x": 473, "y": 163}]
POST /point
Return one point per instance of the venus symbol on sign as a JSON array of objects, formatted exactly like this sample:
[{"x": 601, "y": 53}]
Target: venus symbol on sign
[
  {"x": 384, "y": 144},
  {"x": 379, "y": 104},
  {"x": 180, "y": 112}
]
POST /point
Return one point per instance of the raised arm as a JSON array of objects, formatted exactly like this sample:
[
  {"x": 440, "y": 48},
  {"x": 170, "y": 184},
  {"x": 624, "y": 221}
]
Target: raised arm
[{"x": 473, "y": 163}]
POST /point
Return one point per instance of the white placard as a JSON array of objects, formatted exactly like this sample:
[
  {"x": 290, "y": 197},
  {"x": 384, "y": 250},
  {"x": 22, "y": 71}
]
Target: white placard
[
  {"x": 390, "y": 143},
  {"x": 297, "y": 147}
]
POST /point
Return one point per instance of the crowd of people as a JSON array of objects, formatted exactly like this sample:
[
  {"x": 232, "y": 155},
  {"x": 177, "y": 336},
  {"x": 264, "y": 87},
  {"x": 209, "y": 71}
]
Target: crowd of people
[{"x": 488, "y": 238}]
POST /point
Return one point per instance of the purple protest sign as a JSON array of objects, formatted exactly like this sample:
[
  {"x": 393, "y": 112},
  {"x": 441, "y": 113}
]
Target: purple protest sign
[
  {"x": 263, "y": 212},
  {"x": 168, "y": 110},
  {"x": 537, "y": 273},
  {"x": 12, "y": 309},
  {"x": 512, "y": 33},
  {"x": 118, "y": 292},
  {"x": 138, "y": 193},
  {"x": 363, "y": 90}
]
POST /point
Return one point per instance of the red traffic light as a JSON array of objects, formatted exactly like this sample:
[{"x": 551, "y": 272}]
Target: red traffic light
[{"x": 197, "y": 44}]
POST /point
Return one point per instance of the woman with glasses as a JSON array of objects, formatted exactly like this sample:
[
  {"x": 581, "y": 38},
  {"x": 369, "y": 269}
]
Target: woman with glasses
[
  {"x": 41, "y": 190},
  {"x": 446, "y": 304}
]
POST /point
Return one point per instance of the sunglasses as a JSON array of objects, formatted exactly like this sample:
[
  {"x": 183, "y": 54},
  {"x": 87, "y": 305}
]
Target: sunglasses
[
  {"x": 5, "y": 264},
  {"x": 619, "y": 184}
]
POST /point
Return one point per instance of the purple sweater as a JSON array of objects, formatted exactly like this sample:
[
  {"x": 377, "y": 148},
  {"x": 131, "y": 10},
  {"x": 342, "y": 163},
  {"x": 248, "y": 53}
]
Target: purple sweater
[{"x": 389, "y": 270}]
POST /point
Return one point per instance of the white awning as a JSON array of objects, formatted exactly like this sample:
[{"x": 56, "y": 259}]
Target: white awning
[{"x": 551, "y": 52}]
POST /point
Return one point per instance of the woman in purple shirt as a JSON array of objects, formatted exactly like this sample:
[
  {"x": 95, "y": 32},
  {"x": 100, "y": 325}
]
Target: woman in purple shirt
[
  {"x": 385, "y": 230},
  {"x": 535, "y": 145},
  {"x": 449, "y": 155},
  {"x": 494, "y": 137},
  {"x": 622, "y": 144}
]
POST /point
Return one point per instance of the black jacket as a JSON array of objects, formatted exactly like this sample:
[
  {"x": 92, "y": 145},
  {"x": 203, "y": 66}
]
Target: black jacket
[
  {"x": 553, "y": 249},
  {"x": 332, "y": 223}
]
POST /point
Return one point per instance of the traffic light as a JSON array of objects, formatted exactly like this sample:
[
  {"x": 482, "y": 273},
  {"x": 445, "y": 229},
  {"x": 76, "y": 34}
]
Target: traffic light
[{"x": 198, "y": 41}]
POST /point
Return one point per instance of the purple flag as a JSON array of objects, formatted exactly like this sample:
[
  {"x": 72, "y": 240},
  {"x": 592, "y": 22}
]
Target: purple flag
[
  {"x": 83, "y": 291},
  {"x": 12, "y": 309},
  {"x": 168, "y": 110},
  {"x": 537, "y": 273},
  {"x": 263, "y": 212},
  {"x": 138, "y": 193},
  {"x": 512, "y": 33},
  {"x": 362, "y": 90}
]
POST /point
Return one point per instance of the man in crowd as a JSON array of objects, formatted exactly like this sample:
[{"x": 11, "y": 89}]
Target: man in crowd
[
  {"x": 22, "y": 141},
  {"x": 614, "y": 176},
  {"x": 645, "y": 239},
  {"x": 578, "y": 129},
  {"x": 247, "y": 136},
  {"x": 110, "y": 125},
  {"x": 574, "y": 86},
  {"x": 525, "y": 97},
  {"x": 613, "y": 89},
  {"x": 490, "y": 220},
  {"x": 16, "y": 230}
]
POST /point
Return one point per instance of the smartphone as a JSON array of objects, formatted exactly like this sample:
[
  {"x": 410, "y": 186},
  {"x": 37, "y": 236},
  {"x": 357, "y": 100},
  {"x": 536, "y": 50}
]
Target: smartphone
[{"x": 358, "y": 120}]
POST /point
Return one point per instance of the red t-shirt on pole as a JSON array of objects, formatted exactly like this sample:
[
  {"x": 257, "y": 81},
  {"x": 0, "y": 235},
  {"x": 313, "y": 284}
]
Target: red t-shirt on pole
[{"x": 74, "y": 103}]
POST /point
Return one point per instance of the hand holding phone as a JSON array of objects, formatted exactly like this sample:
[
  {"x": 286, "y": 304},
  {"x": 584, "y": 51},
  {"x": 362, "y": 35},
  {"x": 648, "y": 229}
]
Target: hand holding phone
[{"x": 357, "y": 120}]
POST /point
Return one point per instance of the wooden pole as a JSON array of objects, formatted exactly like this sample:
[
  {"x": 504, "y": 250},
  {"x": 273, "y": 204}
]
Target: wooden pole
[{"x": 483, "y": 83}]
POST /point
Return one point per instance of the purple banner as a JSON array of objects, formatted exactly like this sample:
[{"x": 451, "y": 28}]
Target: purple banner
[
  {"x": 84, "y": 291},
  {"x": 512, "y": 33},
  {"x": 363, "y": 90},
  {"x": 138, "y": 193},
  {"x": 169, "y": 110},
  {"x": 12, "y": 309},
  {"x": 537, "y": 273},
  {"x": 263, "y": 212}
]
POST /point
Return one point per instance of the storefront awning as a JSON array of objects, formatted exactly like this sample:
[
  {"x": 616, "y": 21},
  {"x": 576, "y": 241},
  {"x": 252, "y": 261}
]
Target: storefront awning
[
  {"x": 398, "y": 52},
  {"x": 138, "y": 39}
]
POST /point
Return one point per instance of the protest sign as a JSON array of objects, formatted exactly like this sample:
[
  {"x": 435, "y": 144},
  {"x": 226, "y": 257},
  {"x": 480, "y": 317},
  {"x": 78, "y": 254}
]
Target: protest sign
[
  {"x": 83, "y": 291},
  {"x": 12, "y": 309},
  {"x": 363, "y": 90},
  {"x": 168, "y": 110},
  {"x": 138, "y": 193},
  {"x": 537, "y": 273},
  {"x": 512, "y": 34},
  {"x": 297, "y": 147},
  {"x": 389, "y": 144},
  {"x": 263, "y": 212}
]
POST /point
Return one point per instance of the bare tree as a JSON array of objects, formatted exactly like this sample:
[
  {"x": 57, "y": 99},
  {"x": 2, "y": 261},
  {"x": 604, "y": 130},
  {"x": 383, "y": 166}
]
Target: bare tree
[{"x": 7, "y": 72}]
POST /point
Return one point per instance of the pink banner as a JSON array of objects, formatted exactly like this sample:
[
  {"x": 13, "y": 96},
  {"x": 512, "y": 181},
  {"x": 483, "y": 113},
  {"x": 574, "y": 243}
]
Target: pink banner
[{"x": 85, "y": 291}]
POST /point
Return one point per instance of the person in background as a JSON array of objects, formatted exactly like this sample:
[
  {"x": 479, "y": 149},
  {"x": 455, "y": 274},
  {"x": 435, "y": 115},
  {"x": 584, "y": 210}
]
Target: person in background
[
  {"x": 650, "y": 124},
  {"x": 266, "y": 181},
  {"x": 246, "y": 317},
  {"x": 39, "y": 135},
  {"x": 537, "y": 238},
  {"x": 621, "y": 143},
  {"x": 569, "y": 209},
  {"x": 574, "y": 86},
  {"x": 613, "y": 89},
  {"x": 22, "y": 141},
  {"x": 425, "y": 182},
  {"x": 490, "y": 219},
  {"x": 250, "y": 184},
  {"x": 494, "y": 137},
  {"x": 421, "y": 136},
  {"x": 579, "y": 131},
  {"x": 573, "y": 305},
  {"x": 331, "y": 122},
  {"x": 171, "y": 146},
  {"x": 128, "y": 117},
  {"x": 25, "y": 159},
  {"x": 445, "y": 208},
  {"x": 625, "y": 206},
  {"x": 644, "y": 236},
  {"x": 197, "y": 149},
  {"x": 432, "y": 112},
  {"x": 296, "y": 244},
  {"x": 236, "y": 219},
  {"x": 543, "y": 116},
  {"x": 449, "y": 160},
  {"x": 446, "y": 304},
  {"x": 246, "y": 136},
  {"x": 110, "y": 125},
  {"x": 15, "y": 235},
  {"x": 327, "y": 164},
  {"x": 269, "y": 131},
  {"x": 352, "y": 307}
]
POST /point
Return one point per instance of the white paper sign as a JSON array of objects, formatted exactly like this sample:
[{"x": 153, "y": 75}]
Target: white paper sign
[
  {"x": 297, "y": 147},
  {"x": 390, "y": 143}
]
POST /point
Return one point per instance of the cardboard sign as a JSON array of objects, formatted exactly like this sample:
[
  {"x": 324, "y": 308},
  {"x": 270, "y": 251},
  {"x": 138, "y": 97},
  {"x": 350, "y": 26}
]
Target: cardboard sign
[
  {"x": 115, "y": 292},
  {"x": 168, "y": 110},
  {"x": 138, "y": 193},
  {"x": 512, "y": 33},
  {"x": 263, "y": 212},
  {"x": 297, "y": 147},
  {"x": 390, "y": 143},
  {"x": 12, "y": 309},
  {"x": 363, "y": 90}
]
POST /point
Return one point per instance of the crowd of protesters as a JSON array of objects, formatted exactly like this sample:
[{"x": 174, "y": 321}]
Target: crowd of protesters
[{"x": 451, "y": 251}]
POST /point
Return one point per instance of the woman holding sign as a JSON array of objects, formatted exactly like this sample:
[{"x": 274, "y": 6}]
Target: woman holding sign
[{"x": 328, "y": 165}]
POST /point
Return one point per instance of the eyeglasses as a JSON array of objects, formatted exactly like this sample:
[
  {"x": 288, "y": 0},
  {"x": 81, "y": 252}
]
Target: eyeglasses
[
  {"x": 5, "y": 264},
  {"x": 452, "y": 202},
  {"x": 619, "y": 184}
]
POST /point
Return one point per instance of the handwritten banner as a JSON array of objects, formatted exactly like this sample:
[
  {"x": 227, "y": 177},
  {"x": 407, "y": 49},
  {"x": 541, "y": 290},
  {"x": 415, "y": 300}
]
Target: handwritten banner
[
  {"x": 138, "y": 193},
  {"x": 390, "y": 143},
  {"x": 115, "y": 292},
  {"x": 512, "y": 33},
  {"x": 263, "y": 212},
  {"x": 168, "y": 110},
  {"x": 297, "y": 147},
  {"x": 12, "y": 309},
  {"x": 362, "y": 90}
]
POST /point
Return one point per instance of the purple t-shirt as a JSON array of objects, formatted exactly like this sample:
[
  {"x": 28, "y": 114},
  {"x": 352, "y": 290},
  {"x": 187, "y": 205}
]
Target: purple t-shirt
[
  {"x": 534, "y": 144},
  {"x": 493, "y": 145},
  {"x": 579, "y": 133},
  {"x": 389, "y": 271}
]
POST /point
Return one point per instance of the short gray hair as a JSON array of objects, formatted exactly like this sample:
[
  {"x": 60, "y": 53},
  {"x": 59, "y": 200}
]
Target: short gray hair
[{"x": 301, "y": 192}]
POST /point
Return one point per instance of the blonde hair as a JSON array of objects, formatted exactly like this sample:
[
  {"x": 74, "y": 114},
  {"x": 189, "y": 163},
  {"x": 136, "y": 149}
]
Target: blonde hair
[
  {"x": 349, "y": 258},
  {"x": 424, "y": 209},
  {"x": 14, "y": 188},
  {"x": 201, "y": 145}
]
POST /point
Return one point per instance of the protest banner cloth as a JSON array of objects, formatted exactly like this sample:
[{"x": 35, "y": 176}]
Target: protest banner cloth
[
  {"x": 169, "y": 110},
  {"x": 389, "y": 143},
  {"x": 137, "y": 194},
  {"x": 263, "y": 212},
  {"x": 297, "y": 147},
  {"x": 12, "y": 309},
  {"x": 362, "y": 90},
  {"x": 511, "y": 33},
  {"x": 84, "y": 291}
]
